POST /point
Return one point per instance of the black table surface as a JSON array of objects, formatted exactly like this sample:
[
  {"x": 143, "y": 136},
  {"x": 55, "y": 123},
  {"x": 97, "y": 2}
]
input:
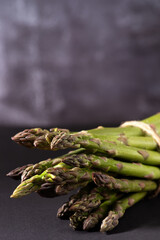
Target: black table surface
[{"x": 34, "y": 217}]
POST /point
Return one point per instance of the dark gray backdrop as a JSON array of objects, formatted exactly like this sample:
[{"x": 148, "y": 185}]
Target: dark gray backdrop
[{"x": 75, "y": 62}]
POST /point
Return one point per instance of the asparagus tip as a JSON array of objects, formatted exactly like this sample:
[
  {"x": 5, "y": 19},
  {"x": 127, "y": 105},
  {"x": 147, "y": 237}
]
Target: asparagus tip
[
  {"x": 110, "y": 222},
  {"x": 9, "y": 174},
  {"x": 87, "y": 225},
  {"x": 17, "y": 136},
  {"x": 26, "y": 187},
  {"x": 12, "y": 196},
  {"x": 13, "y": 138}
]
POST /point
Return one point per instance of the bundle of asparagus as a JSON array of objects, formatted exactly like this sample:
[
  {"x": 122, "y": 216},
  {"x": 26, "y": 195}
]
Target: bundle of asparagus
[{"x": 113, "y": 168}]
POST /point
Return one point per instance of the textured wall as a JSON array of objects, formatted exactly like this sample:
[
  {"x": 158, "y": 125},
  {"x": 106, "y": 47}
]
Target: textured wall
[{"x": 66, "y": 62}]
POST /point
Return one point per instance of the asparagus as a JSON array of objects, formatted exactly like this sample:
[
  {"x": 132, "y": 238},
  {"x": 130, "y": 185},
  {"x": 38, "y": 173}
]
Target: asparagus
[
  {"x": 123, "y": 152},
  {"x": 57, "y": 176},
  {"x": 17, "y": 172},
  {"x": 54, "y": 177},
  {"x": 76, "y": 220},
  {"x": 64, "y": 211},
  {"x": 83, "y": 206},
  {"x": 144, "y": 142},
  {"x": 62, "y": 138},
  {"x": 157, "y": 191},
  {"x": 134, "y": 141},
  {"x": 112, "y": 165},
  {"x": 88, "y": 201},
  {"x": 29, "y": 136},
  {"x": 73, "y": 176},
  {"x": 98, "y": 214},
  {"x": 40, "y": 167},
  {"x": 111, "y": 149},
  {"x": 123, "y": 185},
  {"x": 35, "y": 183},
  {"x": 91, "y": 199},
  {"x": 86, "y": 140},
  {"x": 111, "y": 221}
]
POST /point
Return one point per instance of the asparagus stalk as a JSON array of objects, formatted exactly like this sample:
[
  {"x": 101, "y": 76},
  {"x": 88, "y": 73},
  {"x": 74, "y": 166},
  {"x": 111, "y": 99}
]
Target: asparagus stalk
[
  {"x": 57, "y": 176},
  {"x": 143, "y": 142},
  {"x": 40, "y": 167},
  {"x": 73, "y": 176},
  {"x": 35, "y": 183},
  {"x": 112, "y": 165},
  {"x": 111, "y": 221},
  {"x": 86, "y": 204},
  {"x": 86, "y": 140},
  {"x": 59, "y": 138},
  {"x": 91, "y": 199},
  {"x": 111, "y": 149},
  {"x": 123, "y": 152},
  {"x": 30, "y": 170},
  {"x": 123, "y": 185},
  {"x": 98, "y": 214},
  {"x": 64, "y": 211}
]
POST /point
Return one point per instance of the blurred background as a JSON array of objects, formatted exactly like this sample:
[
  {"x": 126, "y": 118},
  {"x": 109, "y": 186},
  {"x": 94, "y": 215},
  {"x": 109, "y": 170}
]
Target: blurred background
[{"x": 78, "y": 63}]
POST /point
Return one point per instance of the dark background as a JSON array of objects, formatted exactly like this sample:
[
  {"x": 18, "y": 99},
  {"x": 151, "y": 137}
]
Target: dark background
[{"x": 74, "y": 64}]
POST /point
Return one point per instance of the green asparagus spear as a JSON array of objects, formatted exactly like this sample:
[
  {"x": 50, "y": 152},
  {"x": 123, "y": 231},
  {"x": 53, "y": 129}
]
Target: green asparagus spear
[
  {"x": 110, "y": 149},
  {"x": 63, "y": 138},
  {"x": 111, "y": 221},
  {"x": 112, "y": 165},
  {"x": 83, "y": 206},
  {"x": 35, "y": 183},
  {"x": 40, "y": 167},
  {"x": 98, "y": 214},
  {"x": 86, "y": 140},
  {"x": 88, "y": 201},
  {"x": 57, "y": 176},
  {"x": 123, "y": 185}
]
